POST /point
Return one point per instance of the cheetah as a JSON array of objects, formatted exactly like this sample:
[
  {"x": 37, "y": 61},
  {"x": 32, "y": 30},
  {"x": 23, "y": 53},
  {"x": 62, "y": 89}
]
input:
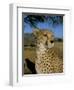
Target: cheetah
[{"x": 48, "y": 59}]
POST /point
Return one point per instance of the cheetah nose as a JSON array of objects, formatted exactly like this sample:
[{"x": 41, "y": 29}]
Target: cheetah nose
[{"x": 51, "y": 41}]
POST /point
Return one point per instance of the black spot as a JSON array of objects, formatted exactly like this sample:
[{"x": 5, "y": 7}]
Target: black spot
[
  {"x": 47, "y": 64},
  {"x": 46, "y": 43},
  {"x": 52, "y": 41}
]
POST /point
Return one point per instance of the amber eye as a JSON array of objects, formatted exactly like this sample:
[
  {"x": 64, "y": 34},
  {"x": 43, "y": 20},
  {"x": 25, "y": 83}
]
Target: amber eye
[
  {"x": 45, "y": 34},
  {"x": 52, "y": 41},
  {"x": 35, "y": 37}
]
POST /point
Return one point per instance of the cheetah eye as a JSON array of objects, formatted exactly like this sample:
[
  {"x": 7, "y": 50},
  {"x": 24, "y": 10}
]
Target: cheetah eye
[
  {"x": 35, "y": 37},
  {"x": 52, "y": 41},
  {"x": 45, "y": 34}
]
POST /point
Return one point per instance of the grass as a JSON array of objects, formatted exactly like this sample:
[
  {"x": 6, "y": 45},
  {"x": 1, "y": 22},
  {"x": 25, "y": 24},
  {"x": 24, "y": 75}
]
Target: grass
[{"x": 29, "y": 52}]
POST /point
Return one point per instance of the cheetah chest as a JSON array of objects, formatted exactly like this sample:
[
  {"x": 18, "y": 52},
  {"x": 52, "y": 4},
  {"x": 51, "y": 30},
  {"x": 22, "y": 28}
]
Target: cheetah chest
[
  {"x": 43, "y": 63},
  {"x": 48, "y": 63}
]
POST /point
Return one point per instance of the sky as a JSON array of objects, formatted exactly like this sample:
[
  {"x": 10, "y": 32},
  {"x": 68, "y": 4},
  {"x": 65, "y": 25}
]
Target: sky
[{"x": 57, "y": 29}]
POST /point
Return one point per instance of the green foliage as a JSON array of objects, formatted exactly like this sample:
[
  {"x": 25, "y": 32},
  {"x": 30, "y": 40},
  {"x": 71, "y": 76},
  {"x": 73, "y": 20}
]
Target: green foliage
[{"x": 33, "y": 20}]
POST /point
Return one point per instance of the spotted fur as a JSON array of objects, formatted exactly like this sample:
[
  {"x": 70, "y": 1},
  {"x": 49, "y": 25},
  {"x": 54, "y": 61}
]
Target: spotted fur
[{"x": 48, "y": 59}]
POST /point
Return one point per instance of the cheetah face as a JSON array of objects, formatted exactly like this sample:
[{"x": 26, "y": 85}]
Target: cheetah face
[{"x": 44, "y": 38}]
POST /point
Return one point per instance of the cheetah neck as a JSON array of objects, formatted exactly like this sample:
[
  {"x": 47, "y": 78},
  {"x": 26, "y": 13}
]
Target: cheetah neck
[{"x": 41, "y": 49}]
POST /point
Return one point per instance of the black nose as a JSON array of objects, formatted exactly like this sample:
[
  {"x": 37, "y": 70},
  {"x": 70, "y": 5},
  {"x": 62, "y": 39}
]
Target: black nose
[{"x": 51, "y": 41}]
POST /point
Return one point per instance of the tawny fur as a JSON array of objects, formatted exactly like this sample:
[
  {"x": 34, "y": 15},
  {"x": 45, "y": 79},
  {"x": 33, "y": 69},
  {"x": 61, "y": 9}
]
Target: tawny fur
[{"x": 48, "y": 59}]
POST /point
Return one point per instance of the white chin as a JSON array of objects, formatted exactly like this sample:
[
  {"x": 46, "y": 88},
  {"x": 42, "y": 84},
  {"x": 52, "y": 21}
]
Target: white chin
[{"x": 51, "y": 45}]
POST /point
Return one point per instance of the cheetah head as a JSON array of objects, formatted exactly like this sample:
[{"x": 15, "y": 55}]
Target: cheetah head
[{"x": 44, "y": 38}]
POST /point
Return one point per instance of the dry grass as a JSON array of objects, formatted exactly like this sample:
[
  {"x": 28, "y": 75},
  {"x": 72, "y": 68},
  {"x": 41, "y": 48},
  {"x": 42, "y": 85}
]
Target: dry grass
[
  {"x": 59, "y": 45},
  {"x": 30, "y": 53}
]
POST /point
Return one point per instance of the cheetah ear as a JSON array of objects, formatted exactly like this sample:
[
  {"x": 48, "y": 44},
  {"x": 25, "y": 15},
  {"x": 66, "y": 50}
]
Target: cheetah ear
[{"x": 35, "y": 31}]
